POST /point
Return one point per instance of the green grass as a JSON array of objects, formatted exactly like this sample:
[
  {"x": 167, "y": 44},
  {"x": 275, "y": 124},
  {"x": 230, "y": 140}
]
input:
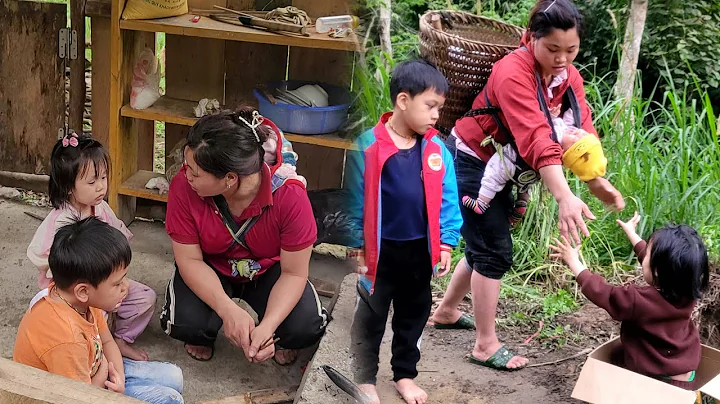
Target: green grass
[{"x": 663, "y": 155}]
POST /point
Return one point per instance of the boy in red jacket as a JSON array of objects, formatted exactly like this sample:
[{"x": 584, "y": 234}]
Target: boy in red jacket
[{"x": 406, "y": 216}]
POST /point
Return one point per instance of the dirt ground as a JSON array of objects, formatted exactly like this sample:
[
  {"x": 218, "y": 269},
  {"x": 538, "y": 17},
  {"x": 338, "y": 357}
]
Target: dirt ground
[
  {"x": 228, "y": 374},
  {"x": 444, "y": 372},
  {"x": 449, "y": 378}
]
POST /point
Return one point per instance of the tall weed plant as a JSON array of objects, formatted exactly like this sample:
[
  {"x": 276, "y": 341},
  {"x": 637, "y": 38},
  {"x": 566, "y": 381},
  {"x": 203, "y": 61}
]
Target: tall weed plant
[{"x": 663, "y": 156}]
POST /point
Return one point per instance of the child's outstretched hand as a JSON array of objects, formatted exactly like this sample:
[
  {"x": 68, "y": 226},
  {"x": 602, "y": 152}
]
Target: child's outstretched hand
[
  {"x": 445, "y": 264},
  {"x": 630, "y": 227},
  {"x": 569, "y": 254}
]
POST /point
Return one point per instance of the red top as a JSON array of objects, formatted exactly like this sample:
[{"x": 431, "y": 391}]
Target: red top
[
  {"x": 512, "y": 87},
  {"x": 658, "y": 337},
  {"x": 287, "y": 223}
]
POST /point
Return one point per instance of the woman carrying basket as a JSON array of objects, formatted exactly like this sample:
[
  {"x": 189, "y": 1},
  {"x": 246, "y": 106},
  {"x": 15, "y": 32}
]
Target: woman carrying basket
[{"x": 514, "y": 108}]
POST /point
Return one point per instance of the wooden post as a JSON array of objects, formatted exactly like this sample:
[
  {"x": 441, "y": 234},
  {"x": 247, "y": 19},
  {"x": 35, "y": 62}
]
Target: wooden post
[{"x": 77, "y": 67}]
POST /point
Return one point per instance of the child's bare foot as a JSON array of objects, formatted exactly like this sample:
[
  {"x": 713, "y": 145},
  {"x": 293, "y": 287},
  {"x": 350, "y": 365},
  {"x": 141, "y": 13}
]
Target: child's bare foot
[
  {"x": 371, "y": 392},
  {"x": 410, "y": 392},
  {"x": 130, "y": 352}
]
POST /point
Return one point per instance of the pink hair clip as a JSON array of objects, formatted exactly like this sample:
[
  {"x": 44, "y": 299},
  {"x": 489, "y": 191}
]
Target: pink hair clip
[{"x": 70, "y": 140}]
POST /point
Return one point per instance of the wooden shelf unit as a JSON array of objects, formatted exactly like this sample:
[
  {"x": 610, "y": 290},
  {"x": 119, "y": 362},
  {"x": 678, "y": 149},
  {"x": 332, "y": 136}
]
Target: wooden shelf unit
[{"x": 211, "y": 59}]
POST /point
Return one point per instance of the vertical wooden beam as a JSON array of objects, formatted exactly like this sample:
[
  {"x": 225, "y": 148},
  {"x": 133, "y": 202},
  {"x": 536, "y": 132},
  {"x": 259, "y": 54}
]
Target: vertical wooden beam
[
  {"x": 77, "y": 67},
  {"x": 125, "y": 47}
]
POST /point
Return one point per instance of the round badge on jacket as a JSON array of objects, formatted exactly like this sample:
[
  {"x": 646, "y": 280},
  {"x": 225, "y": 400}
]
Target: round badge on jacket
[{"x": 435, "y": 162}]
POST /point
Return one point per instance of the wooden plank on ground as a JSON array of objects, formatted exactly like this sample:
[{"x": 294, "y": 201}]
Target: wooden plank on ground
[
  {"x": 278, "y": 395},
  {"x": 20, "y": 384},
  {"x": 32, "y": 85},
  {"x": 324, "y": 288}
]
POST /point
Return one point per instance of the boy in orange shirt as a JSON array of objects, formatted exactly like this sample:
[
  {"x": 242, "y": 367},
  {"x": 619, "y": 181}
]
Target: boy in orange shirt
[{"x": 65, "y": 332}]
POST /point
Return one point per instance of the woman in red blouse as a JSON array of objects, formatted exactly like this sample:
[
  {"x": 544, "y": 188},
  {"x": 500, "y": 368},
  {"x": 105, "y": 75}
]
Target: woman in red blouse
[
  {"x": 240, "y": 229},
  {"x": 539, "y": 72}
]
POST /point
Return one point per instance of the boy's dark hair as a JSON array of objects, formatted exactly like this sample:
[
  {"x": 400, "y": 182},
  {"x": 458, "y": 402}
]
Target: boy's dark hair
[
  {"x": 222, "y": 143},
  {"x": 67, "y": 163},
  {"x": 679, "y": 263},
  {"x": 415, "y": 77},
  {"x": 548, "y": 15},
  {"x": 87, "y": 250}
]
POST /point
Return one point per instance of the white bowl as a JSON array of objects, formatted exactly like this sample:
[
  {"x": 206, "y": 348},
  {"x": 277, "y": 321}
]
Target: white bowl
[{"x": 313, "y": 94}]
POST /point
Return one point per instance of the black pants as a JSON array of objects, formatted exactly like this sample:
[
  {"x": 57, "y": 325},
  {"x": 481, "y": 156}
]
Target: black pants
[
  {"x": 403, "y": 278},
  {"x": 187, "y": 318},
  {"x": 488, "y": 243}
]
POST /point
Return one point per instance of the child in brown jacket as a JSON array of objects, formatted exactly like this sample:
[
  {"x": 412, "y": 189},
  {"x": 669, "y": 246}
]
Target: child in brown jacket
[{"x": 658, "y": 336}]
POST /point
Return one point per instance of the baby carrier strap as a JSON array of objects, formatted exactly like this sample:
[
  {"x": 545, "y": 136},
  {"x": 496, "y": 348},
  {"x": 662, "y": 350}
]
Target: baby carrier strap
[
  {"x": 569, "y": 102},
  {"x": 238, "y": 232}
]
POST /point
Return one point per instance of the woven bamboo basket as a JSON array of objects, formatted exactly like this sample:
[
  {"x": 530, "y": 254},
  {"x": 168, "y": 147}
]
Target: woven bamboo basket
[{"x": 464, "y": 46}]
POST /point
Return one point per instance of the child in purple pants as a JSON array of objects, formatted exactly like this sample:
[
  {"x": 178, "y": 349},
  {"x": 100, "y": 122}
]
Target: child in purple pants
[{"x": 78, "y": 184}]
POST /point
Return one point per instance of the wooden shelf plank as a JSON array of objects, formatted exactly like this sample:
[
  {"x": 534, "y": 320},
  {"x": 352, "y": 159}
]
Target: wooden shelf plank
[
  {"x": 331, "y": 140},
  {"x": 135, "y": 186},
  {"x": 165, "y": 109},
  {"x": 209, "y": 28},
  {"x": 180, "y": 112}
]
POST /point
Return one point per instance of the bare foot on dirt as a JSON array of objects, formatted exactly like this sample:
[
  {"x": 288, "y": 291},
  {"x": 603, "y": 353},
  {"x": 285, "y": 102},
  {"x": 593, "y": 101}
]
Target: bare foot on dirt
[
  {"x": 444, "y": 317},
  {"x": 410, "y": 392},
  {"x": 515, "y": 362},
  {"x": 130, "y": 352},
  {"x": 286, "y": 356},
  {"x": 201, "y": 353},
  {"x": 371, "y": 392}
]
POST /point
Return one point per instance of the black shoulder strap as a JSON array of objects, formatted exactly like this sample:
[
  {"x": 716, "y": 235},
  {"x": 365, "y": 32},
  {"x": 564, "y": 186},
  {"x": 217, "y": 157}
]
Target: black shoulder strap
[
  {"x": 571, "y": 99},
  {"x": 544, "y": 106},
  {"x": 237, "y": 232}
]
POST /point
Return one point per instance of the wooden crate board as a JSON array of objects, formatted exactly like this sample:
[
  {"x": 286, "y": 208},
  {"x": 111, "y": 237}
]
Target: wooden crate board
[
  {"x": 195, "y": 68},
  {"x": 321, "y": 166},
  {"x": 249, "y": 65},
  {"x": 327, "y": 66}
]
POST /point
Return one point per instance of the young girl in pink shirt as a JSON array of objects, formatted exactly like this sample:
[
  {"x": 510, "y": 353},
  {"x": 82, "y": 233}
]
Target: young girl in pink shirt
[{"x": 78, "y": 183}]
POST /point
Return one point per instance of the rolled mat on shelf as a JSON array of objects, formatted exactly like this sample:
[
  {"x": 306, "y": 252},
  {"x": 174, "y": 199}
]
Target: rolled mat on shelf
[{"x": 464, "y": 46}]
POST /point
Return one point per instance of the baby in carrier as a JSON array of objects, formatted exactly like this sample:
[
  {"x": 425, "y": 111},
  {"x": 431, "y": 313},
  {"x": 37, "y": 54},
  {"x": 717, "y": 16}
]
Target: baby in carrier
[{"x": 582, "y": 154}]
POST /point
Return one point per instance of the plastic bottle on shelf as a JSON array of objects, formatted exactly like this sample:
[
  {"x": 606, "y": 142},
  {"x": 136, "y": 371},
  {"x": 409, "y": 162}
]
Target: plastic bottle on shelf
[{"x": 326, "y": 24}]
